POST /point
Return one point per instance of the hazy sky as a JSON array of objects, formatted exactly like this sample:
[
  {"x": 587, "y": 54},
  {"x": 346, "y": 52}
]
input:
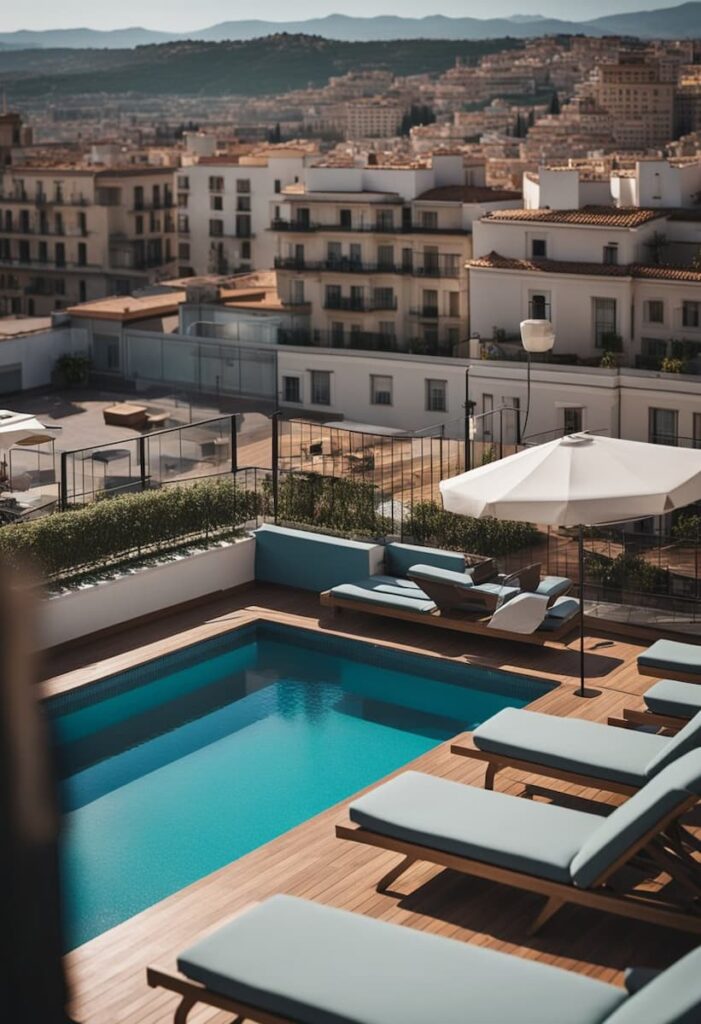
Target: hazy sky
[{"x": 179, "y": 17}]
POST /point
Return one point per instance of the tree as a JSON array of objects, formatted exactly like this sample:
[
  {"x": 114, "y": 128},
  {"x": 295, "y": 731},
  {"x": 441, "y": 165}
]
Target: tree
[
  {"x": 275, "y": 135},
  {"x": 554, "y": 107},
  {"x": 418, "y": 113}
]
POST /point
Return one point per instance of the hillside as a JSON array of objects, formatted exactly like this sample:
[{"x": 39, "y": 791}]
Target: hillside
[
  {"x": 257, "y": 67},
  {"x": 683, "y": 21}
]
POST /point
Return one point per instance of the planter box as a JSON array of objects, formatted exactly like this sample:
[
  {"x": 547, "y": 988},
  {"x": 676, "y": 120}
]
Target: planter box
[{"x": 145, "y": 591}]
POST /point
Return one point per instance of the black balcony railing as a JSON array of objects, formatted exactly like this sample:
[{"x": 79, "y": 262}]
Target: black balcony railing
[
  {"x": 425, "y": 312},
  {"x": 369, "y": 341},
  {"x": 361, "y": 304},
  {"x": 348, "y": 266},
  {"x": 376, "y": 227}
]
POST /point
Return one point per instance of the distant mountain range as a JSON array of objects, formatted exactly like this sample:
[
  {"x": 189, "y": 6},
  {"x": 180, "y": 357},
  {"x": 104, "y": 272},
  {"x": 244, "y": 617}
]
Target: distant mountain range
[{"x": 679, "y": 22}]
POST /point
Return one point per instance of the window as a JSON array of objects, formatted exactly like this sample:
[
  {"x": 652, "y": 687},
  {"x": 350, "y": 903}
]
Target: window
[
  {"x": 243, "y": 204},
  {"x": 355, "y": 254},
  {"x": 663, "y": 426},
  {"x": 216, "y": 203},
  {"x": 653, "y": 311},
  {"x": 380, "y": 390},
  {"x": 82, "y": 254},
  {"x": 216, "y": 184},
  {"x": 277, "y": 187},
  {"x": 487, "y": 415},
  {"x": 216, "y": 228},
  {"x": 43, "y": 252},
  {"x": 183, "y": 182},
  {"x": 184, "y": 251},
  {"x": 429, "y": 220},
  {"x": 321, "y": 387},
  {"x": 245, "y": 250},
  {"x": 385, "y": 257},
  {"x": 539, "y": 248},
  {"x": 539, "y": 307},
  {"x": 429, "y": 302},
  {"x": 453, "y": 303},
  {"x": 139, "y": 225},
  {"x": 691, "y": 314},
  {"x": 436, "y": 396},
  {"x": 291, "y": 389},
  {"x": 344, "y": 219},
  {"x": 572, "y": 421},
  {"x": 611, "y": 253},
  {"x": 383, "y": 298},
  {"x": 604, "y": 314},
  {"x": 333, "y": 253},
  {"x": 243, "y": 225},
  {"x": 332, "y": 296},
  {"x": 105, "y": 352},
  {"x": 139, "y": 197},
  {"x": 298, "y": 293},
  {"x": 385, "y": 220},
  {"x": 243, "y": 185}
]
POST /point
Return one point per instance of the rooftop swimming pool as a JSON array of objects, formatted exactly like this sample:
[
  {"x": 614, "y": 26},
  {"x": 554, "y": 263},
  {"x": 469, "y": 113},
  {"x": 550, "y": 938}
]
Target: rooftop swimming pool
[{"x": 181, "y": 765}]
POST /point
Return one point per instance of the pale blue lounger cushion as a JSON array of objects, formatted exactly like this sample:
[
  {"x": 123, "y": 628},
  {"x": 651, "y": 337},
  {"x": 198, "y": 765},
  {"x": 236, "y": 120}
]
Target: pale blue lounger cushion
[
  {"x": 392, "y": 585},
  {"x": 553, "y": 586},
  {"x": 671, "y": 697},
  {"x": 421, "y": 571},
  {"x": 319, "y": 965},
  {"x": 671, "y": 656},
  {"x": 672, "y": 997},
  {"x": 480, "y": 824},
  {"x": 357, "y": 592},
  {"x": 472, "y": 591},
  {"x": 399, "y": 558},
  {"x": 561, "y": 611},
  {"x": 632, "y": 820},
  {"x": 572, "y": 744},
  {"x": 688, "y": 738}
]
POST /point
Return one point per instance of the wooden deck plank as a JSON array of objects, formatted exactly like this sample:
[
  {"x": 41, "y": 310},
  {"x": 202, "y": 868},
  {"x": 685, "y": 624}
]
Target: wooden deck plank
[{"x": 108, "y": 974}]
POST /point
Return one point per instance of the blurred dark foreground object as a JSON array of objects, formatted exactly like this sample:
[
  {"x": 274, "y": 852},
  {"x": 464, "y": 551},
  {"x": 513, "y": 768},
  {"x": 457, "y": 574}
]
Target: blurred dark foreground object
[{"x": 33, "y": 986}]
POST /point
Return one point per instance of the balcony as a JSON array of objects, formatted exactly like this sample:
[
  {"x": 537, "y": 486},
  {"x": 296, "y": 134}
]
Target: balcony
[
  {"x": 425, "y": 312},
  {"x": 151, "y": 207},
  {"x": 30, "y": 264},
  {"x": 374, "y": 228},
  {"x": 346, "y": 303},
  {"x": 348, "y": 266},
  {"x": 369, "y": 341}
]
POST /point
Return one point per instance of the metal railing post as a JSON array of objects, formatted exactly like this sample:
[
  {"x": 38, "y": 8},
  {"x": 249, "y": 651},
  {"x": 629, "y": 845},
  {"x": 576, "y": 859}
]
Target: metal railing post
[
  {"x": 142, "y": 461},
  {"x": 234, "y": 445},
  {"x": 275, "y": 439},
  {"x": 63, "y": 483}
]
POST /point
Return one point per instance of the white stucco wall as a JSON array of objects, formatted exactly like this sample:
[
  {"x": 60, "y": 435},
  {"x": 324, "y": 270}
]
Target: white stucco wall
[
  {"x": 37, "y": 353},
  {"x": 112, "y": 603}
]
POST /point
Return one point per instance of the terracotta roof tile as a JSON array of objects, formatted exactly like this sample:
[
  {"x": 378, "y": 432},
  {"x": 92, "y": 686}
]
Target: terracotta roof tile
[
  {"x": 468, "y": 194},
  {"x": 495, "y": 261},
  {"x": 597, "y": 216}
]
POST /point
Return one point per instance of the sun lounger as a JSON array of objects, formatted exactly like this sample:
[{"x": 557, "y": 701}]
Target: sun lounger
[
  {"x": 671, "y": 659},
  {"x": 569, "y": 856},
  {"x": 524, "y": 614},
  {"x": 290, "y": 960},
  {"x": 669, "y": 704},
  {"x": 456, "y": 590},
  {"x": 574, "y": 750}
]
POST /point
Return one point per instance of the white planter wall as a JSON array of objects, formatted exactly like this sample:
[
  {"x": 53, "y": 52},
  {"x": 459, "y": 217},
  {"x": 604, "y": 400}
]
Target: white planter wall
[{"x": 79, "y": 613}]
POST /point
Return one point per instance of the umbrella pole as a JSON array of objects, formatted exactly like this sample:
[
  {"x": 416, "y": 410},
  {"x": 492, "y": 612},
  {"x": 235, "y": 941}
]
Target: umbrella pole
[{"x": 582, "y": 691}]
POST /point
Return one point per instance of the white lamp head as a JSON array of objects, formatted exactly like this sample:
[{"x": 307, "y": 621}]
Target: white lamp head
[{"x": 537, "y": 335}]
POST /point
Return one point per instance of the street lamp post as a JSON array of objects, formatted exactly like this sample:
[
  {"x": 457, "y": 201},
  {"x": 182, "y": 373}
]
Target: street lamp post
[{"x": 536, "y": 336}]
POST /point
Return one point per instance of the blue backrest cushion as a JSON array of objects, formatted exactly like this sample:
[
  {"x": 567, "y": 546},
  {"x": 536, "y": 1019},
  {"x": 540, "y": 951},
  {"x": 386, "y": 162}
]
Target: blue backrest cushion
[
  {"x": 673, "y": 997},
  {"x": 688, "y": 738},
  {"x": 311, "y": 561},
  {"x": 630, "y": 822},
  {"x": 399, "y": 558}
]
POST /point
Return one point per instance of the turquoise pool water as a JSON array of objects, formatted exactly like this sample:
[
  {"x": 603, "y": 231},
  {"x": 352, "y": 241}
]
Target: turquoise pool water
[{"x": 177, "y": 767}]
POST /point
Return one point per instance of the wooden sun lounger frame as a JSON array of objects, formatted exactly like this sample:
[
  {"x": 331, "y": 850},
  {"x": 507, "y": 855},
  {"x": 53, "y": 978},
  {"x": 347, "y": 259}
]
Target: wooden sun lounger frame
[
  {"x": 662, "y": 843},
  {"x": 632, "y": 717},
  {"x": 193, "y": 993},
  {"x": 670, "y": 673},
  {"x": 500, "y": 762},
  {"x": 464, "y": 622}
]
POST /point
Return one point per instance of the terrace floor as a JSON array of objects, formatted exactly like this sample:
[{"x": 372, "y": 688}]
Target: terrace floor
[{"x": 107, "y": 975}]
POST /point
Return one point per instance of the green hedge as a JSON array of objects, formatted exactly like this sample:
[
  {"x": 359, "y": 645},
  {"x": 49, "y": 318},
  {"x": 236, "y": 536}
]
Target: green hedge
[
  {"x": 334, "y": 503},
  {"x": 430, "y": 524},
  {"x": 63, "y": 543}
]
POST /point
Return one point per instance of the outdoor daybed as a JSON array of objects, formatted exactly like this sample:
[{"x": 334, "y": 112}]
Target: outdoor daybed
[
  {"x": 569, "y": 856},
  {"x": 290, "y": 961},
  {"x": 672, "y": 659}
]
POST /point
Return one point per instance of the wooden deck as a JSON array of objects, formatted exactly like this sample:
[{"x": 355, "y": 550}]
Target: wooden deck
[{"x": 107, "y": 975}]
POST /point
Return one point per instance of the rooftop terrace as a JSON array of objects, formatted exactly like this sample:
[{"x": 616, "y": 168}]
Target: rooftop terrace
[{"x": 107, "y": 975}]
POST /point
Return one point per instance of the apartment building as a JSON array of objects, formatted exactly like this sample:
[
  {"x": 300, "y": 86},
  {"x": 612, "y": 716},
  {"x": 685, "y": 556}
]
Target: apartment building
[
  {"x": 618, "y": 276},
  {"x": 369, "y": 119},
  {"x": 377, "y": 253},
  {"x": 224, "y": 209},
  {"x": 71, "y": 233},
  {"x": 639, "y": 96}
]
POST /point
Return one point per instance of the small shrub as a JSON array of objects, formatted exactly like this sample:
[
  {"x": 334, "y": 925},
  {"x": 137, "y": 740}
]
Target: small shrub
[
  {"x": 671, "y": 364},
  {"x": 627, "y": 572},
  {"x": 432, "y": 525},
  {"x": 63, "y": 543}
]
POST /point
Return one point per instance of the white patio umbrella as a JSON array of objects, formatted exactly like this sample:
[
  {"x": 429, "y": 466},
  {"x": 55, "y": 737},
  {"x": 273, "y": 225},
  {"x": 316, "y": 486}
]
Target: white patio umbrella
[
  {"x": 580, "y": 480},
  {"x": 19, "y": 427}
]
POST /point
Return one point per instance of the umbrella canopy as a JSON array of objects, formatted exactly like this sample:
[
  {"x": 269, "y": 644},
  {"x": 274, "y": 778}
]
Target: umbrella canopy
[
  {"x": 582, "y": 479},
  {"x": 16, "y": 427}
]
